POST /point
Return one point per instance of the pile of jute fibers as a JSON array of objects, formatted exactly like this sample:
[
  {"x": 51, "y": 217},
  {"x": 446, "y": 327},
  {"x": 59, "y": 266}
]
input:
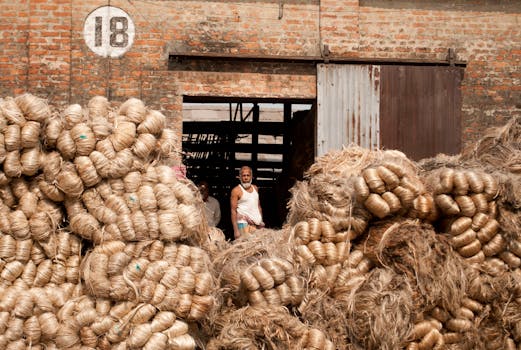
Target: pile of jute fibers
[
  {"x": 103, "y": 246},
  {"x": 100, "y": 241}
]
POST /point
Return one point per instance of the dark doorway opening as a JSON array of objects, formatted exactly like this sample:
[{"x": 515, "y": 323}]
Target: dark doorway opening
[{"x": 275, "y": 137}]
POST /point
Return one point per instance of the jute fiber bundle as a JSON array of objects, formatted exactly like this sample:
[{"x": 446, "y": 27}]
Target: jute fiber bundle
[
  {"x": 109, "y": 272},
  {"x": 510, "y": 225},
  {"x": 498, "y": 149},
  {"x": 237, "y": 257},
  {"x": 21, "y": 124},
  {"x": 321, "y": 249},
  {"x": 99, "y": 323},
  {"x": 111, "y": 137},
  {"x": 41, "y": 272},
  {"x": 176, "y": 254},
  {"x": 462, "y": 192},
  {"x": 413, "y": 249},
  {"x": 11, "y": 113},
  {"x": 327, "y": 193},
  {"x": 28, "y": 213},
  {"x": 259, "y": 328},
  {"x": 348, "y": 187},
  {"x": 388, "y": 188},
  {"x": 380, "y": 310},
  {"x": 426, "y": 335},
  {"x": 467, "y": 199},
  {"x": 146, "y": 205},
  {"x": 33, "y": 108},
  {"x": 35, "y": 264},
  {"x": 60, "y": 179},
  {"x": 272, "y": 282},
  {"x": 353, "y": 272},
  {"x": 29, "y": 315}
]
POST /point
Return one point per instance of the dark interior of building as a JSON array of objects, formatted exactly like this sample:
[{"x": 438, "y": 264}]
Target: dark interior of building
[{"x": 278, "y": 151}]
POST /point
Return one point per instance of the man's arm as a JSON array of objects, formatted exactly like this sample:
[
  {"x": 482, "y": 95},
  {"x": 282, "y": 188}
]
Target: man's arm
[{"x": 234, "y": 200}]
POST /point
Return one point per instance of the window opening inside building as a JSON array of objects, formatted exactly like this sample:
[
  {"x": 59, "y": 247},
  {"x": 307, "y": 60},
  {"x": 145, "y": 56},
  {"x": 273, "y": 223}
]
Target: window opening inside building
[{"x": 220, "y": 136}]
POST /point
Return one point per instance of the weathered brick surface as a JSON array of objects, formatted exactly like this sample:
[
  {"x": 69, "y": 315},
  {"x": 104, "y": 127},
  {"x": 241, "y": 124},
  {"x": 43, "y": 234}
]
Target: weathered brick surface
[
  {"x": 14, "y": 24},
  {"x": 43, "y": 49}
]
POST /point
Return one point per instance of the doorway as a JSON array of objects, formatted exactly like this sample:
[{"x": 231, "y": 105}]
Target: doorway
[{"x": 275, "y": 137}]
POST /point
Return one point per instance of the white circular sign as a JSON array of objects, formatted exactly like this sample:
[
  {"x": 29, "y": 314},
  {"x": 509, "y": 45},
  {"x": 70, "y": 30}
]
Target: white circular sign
[{"x": 109, "y": 31}]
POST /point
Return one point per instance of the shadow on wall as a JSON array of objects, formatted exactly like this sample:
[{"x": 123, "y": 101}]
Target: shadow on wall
[{"x": 446, "y": 5}]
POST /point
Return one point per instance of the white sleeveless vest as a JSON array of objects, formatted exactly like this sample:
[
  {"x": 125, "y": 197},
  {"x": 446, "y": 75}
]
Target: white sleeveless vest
[{"x": 248, "y": 205}]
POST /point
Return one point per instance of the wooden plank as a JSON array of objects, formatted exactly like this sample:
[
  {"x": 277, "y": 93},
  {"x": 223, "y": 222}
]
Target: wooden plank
[
  {"x": 260, "y": 164},
  {"x": 233, "y": 127},
  {"x": 238, "y": 147},
  {"x": 175, "y": 56}
]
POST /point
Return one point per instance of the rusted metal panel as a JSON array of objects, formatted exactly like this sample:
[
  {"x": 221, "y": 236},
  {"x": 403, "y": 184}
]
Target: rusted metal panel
[
  {"x": 420, "y": 109},
  {"x": 348, "y": 106}
]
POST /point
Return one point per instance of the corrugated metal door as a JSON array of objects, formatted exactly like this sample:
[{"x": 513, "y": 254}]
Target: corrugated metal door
[
  {"x": 415, "y": 109},
  {"x": 420, "y": 110},
  {"x": 348, "y": 106}
]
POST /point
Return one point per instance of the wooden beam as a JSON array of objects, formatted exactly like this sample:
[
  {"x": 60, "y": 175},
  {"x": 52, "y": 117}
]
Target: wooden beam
[
  {"x": 233, "y": 127},
  {"x": 238, "y": 147},
  {"x": 260, "y": 164}
]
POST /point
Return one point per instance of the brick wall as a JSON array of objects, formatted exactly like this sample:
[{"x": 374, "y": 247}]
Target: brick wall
[
  {"x": 43, "y": 49},
  {"x": 14, "y": 24}
]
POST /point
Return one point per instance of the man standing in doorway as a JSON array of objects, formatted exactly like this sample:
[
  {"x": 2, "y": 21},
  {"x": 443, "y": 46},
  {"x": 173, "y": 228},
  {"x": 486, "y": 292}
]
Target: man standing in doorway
[
  {"x": 211, "y": 204},
  {"x": 245, "y": 205}
]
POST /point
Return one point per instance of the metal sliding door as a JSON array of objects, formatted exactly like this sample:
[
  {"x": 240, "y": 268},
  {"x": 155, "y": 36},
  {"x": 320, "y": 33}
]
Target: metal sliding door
[
  {"x": 348, "y": 106},
  {"x": 414, "y": 109}
]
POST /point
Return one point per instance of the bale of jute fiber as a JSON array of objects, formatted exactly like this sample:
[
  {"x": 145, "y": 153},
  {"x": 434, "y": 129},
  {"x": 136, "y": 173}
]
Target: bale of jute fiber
[
  {"x": 22, "y": 120},
  {"x": 415, "y": 250},
  {"x": 107, "y": 130},
  {"x": 390, "y": 189},
  {"x": 246, "y": 252},
  {"x": 99, "y": 323},
  {"x": 33, "y": 107},
  {"x": 109, "y": 271},
  {"x": 383, "y": 301},
  {"x": 353, "y": 272},
  {"x": 426, "y": 334},
  {"x": 348, "y": 187},
  {"x": 35, "y": 264},
  {"x": 497, "y": 149},
  {"x": 468, "y": 199},
  {"x": 40, "y": 273},
  {"x": 29, "y": 315},
  {"x": 462, "y": 192},
  {"x": 322, "y": 250},
  {"x": 272, "y": 282},
  {"x": 326, "y": 192},
  {"x": 151, "y": 204},
  {"x": 274, "y": 328},
  {"x": 28, "y": 213}
]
